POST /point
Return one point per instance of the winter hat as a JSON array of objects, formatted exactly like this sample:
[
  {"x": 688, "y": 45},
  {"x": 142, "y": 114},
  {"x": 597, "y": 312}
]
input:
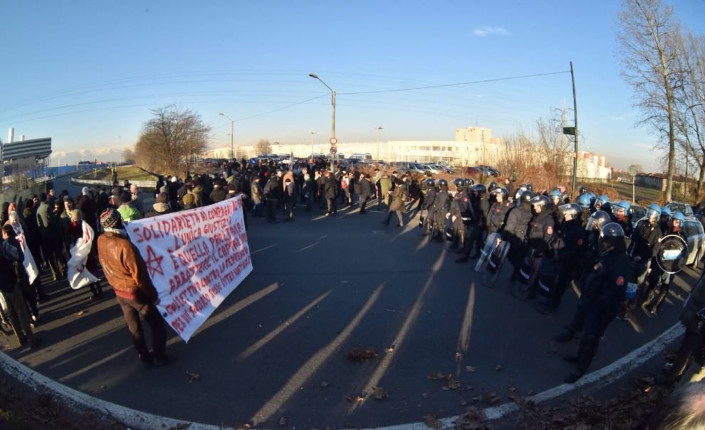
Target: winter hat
[
  {"x": 110, "y": 218},
  {"x": 162, "y": 198},
  {"x": 188, "y": 199}
]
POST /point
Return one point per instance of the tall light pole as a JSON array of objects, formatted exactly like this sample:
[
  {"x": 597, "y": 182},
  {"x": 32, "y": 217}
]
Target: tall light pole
[
  {"x": 333, "y": 140},
  {"x": 379, "y": 130},
  {"x": 232, "y": 127}
]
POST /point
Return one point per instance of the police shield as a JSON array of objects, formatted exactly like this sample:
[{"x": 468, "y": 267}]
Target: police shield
[{"x": 672, "y": 253}]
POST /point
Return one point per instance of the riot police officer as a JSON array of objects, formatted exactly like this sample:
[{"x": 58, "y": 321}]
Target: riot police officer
[
  {"x": 586, "y": 201},
  {"x": 556, "y": 197},
  {"x": 461, "y": 214},
  {"x": 643, "y": 248},
  {"x": 516, "y": 229},
  {"x": 604, "y": 289},
  {"x": 660, "y": 280},
  {"x": 497, "y": 214},
  {"x": 602, "y": 203},
  {"x": 664, "y": 221},
  {"x": 440, "y": 208},
  {"x": 564, "y": 250},
  {"x": 620, "y": 215},
  {"x": 480, "y": 207},
  {"x": 539, "y": 235}
]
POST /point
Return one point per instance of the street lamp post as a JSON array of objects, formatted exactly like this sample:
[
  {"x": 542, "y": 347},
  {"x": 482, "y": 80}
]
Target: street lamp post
[
  {"x": 379, "y": 129},
  {"x": 332, "y": 128},
  {"x": 232, "y": 127}
]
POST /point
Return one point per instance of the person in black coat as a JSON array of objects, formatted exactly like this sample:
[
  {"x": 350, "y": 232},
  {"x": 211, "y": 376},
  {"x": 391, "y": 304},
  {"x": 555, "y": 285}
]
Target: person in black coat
[
  {"x": 363, "y": 188},
  {"x": 563, "y": 251},
  {"x": 602, "y": 294},
  {"x": 330, "y": 191},
  {"x": 480, "y": 206},
  {"x": 516, "y": 229},
  {"x": 289, "y": 196},
  {"x": 440, "y": 209},
  {"x": 272, "y": 193},
  {"x": 13, "y": 277}
]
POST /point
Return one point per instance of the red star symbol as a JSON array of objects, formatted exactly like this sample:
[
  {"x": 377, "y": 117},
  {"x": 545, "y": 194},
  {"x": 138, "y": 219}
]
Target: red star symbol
[{"x": 154, "y": 262}]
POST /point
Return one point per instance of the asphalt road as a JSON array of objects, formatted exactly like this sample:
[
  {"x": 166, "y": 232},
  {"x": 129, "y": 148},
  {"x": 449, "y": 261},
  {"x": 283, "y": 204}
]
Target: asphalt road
[{"x": 275, "y": 353}]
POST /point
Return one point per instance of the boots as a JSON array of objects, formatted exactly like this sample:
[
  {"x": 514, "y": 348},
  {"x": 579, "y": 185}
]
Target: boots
[{"x": 96, "y": 291}]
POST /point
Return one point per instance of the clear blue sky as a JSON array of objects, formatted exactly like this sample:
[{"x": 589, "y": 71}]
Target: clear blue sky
[{"x": 89, "y": 73}]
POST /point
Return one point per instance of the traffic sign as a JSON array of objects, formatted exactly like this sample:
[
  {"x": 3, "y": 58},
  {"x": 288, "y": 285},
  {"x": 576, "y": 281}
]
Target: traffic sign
[
  {"x": 333, "y": 141},
  {"x": 333, "y": 150}
]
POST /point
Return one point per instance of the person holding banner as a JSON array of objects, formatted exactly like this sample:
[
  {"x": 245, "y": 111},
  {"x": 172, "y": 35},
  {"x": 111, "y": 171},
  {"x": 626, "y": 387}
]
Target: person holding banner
[
  {"x": 33, "y": 282},
  {"x": 82, "y": 264},
  {"x": 126, "y": 272},
  {"x": 13, "y": 276}
]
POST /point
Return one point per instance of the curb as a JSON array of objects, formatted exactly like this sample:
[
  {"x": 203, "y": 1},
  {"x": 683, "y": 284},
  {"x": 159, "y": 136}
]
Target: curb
[{"x": 79, "y": 401}]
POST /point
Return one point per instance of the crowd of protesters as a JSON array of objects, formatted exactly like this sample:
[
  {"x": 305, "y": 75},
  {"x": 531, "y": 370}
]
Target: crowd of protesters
[{"x": 552, "y": 243}]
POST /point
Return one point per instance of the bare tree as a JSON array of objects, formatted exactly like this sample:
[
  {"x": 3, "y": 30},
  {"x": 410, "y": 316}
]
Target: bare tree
[
  {"x": 263, "y": 147},
  {"x": 171, "y": 140},
  {"x": 649, "y": 50},
  {"x": 690, "y": 112},
  {"x": 128, "y": 155},
  {"x": 553, "y": 144}
]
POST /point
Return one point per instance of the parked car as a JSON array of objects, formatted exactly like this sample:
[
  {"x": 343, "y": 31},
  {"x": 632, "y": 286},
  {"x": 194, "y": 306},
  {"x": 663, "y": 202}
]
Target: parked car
[
  {"x": 488, "y": 170},
  {"x": 685, "y": 208},
  {"x": 696, "y": 241},
  {"x": 434, "y": 169}
]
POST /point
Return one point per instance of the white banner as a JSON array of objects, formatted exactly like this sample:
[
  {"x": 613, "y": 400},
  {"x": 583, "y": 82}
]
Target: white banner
[{"x": 195, "y": 258}]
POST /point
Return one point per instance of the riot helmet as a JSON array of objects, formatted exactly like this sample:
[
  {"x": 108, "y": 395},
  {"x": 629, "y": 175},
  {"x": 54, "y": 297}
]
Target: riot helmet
[
  {"x": 601, "y": 201},
  {"x": 460, "y": 184},
  {"x": 665, "y": 212},
  {"x": 556, "y": 196},
  {"x": 597, "y": 220},
  {"x": 492, "y": 186},
  {"x": 479, "y": 189},
  {"x": 500, "y": 192},
  {"x": 427, "y": 184},
  {"x": 612, "y": 230},
  {"x": 620, "y": 210},
  {"x": 585, "y": 201},
  {"x": 443, "y": 184},
  {"x": 653, "y": 211},
  {"x": 569, "y": 209},
  {"x": 525, "y": 197},
  {"x": 582, "y": 189},
  {"x": 677, "y": 221},
  {"x": 540, "y": 203}
]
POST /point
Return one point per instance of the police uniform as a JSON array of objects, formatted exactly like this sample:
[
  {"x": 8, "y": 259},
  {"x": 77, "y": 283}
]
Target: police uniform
[
  {"x": 480, "y": 207},
  {"x": 440, "y": 208},
  {"x": 515, "y": 232},
  {"x": 564, "y": 250},
  {"x": 659, "y": 282},
  {"x": 496, "y": 217},
  {"x": 644, "y": 247},
  {"x": 462, "y": 217},
  {"x": 604, "y": 290}
]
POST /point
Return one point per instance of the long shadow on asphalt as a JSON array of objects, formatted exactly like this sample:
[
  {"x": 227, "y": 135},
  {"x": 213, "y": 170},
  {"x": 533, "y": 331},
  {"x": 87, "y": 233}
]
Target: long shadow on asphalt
[{"x": 276, "y": 349}]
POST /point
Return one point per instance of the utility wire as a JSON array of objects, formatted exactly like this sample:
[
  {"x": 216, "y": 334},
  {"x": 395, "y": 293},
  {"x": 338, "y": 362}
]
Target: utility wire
[{"x": 454, "y": 84}]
